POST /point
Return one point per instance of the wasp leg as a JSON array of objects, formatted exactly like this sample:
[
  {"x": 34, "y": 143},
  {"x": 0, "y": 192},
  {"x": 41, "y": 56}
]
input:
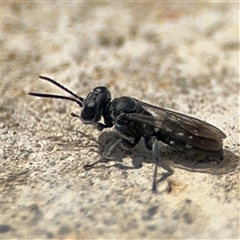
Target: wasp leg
[
  {"x": 99, "y": 126},
  {"x": 103, "y": 159},
  {"x": 156, "y": 159},
  {"x": 125, "y": 145}
]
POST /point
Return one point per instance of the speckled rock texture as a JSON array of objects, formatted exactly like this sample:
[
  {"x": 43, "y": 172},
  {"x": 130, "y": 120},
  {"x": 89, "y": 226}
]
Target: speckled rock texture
[{"x": 182, "y": 56}]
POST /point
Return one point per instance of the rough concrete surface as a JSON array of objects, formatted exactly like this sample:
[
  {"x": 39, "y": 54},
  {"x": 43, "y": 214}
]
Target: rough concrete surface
[{"x": 182, "y": 56}]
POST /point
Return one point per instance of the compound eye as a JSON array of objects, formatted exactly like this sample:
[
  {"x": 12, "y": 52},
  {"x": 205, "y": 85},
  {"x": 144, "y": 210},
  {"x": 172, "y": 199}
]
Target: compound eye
[{"x": 89, "y": 111}]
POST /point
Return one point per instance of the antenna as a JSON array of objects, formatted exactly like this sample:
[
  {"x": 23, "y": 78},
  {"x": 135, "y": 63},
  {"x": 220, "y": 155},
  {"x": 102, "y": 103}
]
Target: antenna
[{"x": 78, "y": 99}]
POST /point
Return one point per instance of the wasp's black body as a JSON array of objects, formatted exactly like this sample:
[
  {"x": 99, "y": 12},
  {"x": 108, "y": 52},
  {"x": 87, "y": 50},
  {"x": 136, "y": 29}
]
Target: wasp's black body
[{"x": 134, "y": 119}]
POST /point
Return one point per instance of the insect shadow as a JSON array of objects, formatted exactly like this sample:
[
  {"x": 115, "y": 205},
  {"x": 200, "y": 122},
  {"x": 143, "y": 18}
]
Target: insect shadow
[{"x": 169, "y": 157}]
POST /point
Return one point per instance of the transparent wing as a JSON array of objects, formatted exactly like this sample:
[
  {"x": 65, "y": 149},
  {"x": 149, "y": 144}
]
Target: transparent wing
[{"x": 179, "y": 123}]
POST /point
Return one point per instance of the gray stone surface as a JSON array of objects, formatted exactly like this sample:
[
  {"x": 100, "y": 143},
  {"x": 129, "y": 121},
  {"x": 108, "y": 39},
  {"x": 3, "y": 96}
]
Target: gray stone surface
[{"x": 181, "y": 56}]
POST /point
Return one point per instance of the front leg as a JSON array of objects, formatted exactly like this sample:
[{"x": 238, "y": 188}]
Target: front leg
[{"x": 101, "y": 126}]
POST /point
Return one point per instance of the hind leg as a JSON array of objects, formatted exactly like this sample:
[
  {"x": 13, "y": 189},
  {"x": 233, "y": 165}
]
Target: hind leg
[{"x": 153, "y": 145}]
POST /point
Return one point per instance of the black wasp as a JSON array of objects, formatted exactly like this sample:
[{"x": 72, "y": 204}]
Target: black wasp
[{"x": 134, "y": 119}]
